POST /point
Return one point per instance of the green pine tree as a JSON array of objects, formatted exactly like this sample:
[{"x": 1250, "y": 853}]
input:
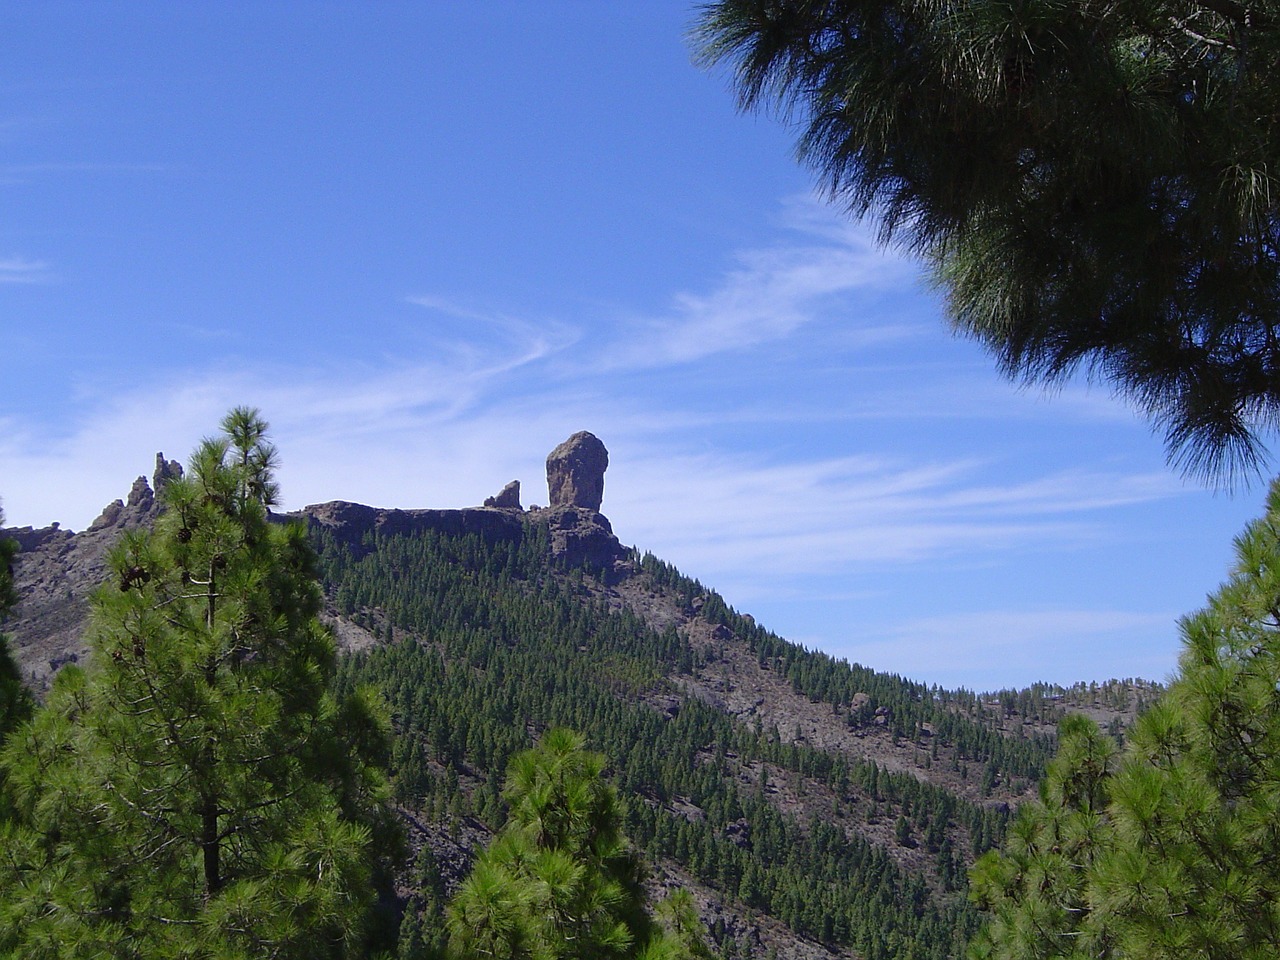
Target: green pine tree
[
  {"x": 1093, "y": 184},
  {"x": 8, "y": 548},
  {"x": 198, "y": 791},
  {"x": 1036, "y": 887},
  {"x": 1169, "y": 851},
  {"x": 561, "y": 881}
]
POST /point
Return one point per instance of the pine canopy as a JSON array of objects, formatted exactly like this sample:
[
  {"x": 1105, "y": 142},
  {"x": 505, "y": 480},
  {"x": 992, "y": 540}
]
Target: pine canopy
[
  {"x": 1092, "y": 182},
  {"x": 198, "y": 791}
]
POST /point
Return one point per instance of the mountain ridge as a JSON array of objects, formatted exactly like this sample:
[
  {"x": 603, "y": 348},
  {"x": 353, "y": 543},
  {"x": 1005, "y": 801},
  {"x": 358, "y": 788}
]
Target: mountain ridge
[{"x": 912, "y": 778}]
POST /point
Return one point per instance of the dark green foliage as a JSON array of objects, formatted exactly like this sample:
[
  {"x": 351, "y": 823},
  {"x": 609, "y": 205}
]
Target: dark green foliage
[
  {"x": 495, "y": 644},
  {"x": 1094, "y": 184},
  {"x": 1036, "y": 886},
  {"x": 1171, "y": 851},
  {"x": 16, "y": 705},
  {"x": 8, "y": 548},
  {"x": 561, "y": 881},
  {"x": 502, "y": 647},
  {"x": 422, "y": 930},
  {"x": 679, "y": 917},
  {"x": 199, "y": 792},
  {"x": 16, "y": 702},
  {"x": 15, "y": 699}
]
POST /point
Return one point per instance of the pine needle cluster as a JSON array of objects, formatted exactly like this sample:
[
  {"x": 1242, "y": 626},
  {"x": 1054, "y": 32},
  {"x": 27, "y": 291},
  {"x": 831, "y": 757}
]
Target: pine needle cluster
[
  {"x": 561, "y": 881},
  {"x": 1092, "y": 182}
]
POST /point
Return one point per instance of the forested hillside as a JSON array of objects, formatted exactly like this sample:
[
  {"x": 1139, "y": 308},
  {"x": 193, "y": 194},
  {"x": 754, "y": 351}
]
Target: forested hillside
[
  {"x": 487, "y": 641},
  {"x": 812, "y": 807}
]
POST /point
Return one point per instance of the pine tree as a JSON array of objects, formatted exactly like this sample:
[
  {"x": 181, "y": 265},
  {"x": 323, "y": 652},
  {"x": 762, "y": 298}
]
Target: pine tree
[
  {"x": 561, "y": 880},
  {"x": 198, "y": 791},
  {"x": 8, "y": 548},
  {"x": 1196, "y": 804},
  {"x": 1174, "y": 850},
  {"x": 1036, "y": 886}
]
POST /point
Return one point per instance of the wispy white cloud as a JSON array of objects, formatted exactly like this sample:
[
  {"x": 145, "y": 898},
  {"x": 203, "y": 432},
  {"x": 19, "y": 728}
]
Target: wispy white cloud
[
  {"x": 472, "y": 397},
  {"x": 349, "y": 433},
  {"x": 902, "y": 391},
  {"x": 440, "y": 433},
  {"x": 747, "y": 521},
  {"x": 23, "y": 270},
  {"x": 488, "y": 333},
  {"x": 770, "y": 294},
  {"x": 450, "y": 308},
  {"x": 444, "y": 433}
]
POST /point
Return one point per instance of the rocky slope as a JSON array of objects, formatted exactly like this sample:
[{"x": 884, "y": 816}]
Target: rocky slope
[{"x": 56, "y": 570}]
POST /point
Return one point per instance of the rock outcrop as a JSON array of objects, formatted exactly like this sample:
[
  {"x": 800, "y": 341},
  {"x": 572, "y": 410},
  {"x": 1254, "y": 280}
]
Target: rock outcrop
[
  {"x": 56, "y": 570},
  {"x": 580, "y": 533},
  {"x": 352, "y": 523},
  {"x": 112, "y": 512},
  {"x": 138, "y": 507},
  {"x": 141, "y": 495},
  {"x": 575, "y": 472},
  {"x": 584, "y": 538},
  {"x": 507, "y": 499},
  {"x": 166, "y": 470}
]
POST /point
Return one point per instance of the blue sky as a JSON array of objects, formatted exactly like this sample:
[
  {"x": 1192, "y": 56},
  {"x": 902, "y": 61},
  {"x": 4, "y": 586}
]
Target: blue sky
[{"x": 432, "y": 240}]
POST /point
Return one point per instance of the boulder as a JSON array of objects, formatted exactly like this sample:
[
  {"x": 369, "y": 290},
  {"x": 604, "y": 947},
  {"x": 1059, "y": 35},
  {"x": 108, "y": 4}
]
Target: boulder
[
  {"x": 507, "y": 499},
  {"x": 739, "y": 833},
  {"x": 575, "y": 472}
]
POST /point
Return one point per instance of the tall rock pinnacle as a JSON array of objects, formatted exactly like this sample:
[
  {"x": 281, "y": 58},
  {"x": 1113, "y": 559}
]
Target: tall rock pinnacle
[{"x": 575, "y": 472}]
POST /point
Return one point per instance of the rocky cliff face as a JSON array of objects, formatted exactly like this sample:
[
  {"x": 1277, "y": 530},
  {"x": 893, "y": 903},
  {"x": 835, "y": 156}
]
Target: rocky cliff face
[
  {"x": 584, "y": 538},
  {"x": 351, "y": 522},
  {"x": 56, "y": 570},
  {"x": 580, "y": 533}
]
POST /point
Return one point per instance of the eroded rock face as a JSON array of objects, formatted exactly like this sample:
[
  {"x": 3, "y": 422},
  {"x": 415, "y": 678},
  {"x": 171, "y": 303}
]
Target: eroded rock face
[
  {"x": 57, "y": 570},
  {"x": 575, "y": 472},
  {"x": 110, "y": 514},
  {"x": 141, "y": 495},
  {"x": 166, "y": 470},
  {"x": 508, "y": 498},
  {"x": 581, "y": 537}
]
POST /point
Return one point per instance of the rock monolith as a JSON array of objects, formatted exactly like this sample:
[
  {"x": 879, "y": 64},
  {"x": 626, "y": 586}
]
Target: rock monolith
[{"x": 575, "y": 472}]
